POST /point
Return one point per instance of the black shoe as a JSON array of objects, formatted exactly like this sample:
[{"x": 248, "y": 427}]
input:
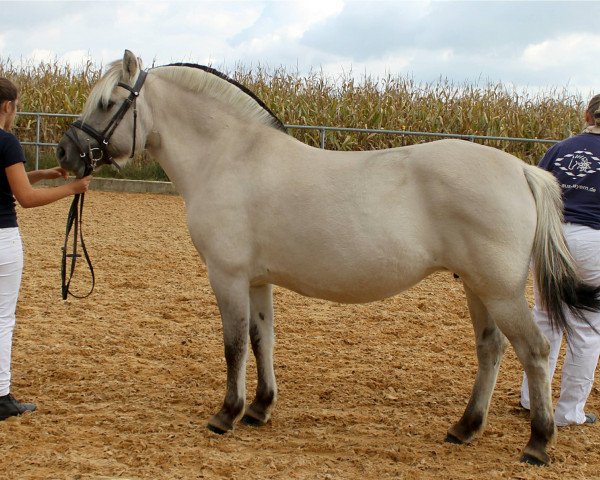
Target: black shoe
[
  {"x": 590, "y": 418},
  {"x": 10, "y": 407}
]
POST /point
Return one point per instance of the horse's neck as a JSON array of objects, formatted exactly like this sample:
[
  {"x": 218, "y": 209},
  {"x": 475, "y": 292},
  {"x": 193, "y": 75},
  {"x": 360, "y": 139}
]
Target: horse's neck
[{"x": 190, "y": 133}]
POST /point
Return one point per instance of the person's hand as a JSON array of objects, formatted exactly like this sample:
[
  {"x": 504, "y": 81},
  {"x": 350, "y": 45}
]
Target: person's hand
[
  {"x": 56, "y": 172},
  {"x": 80, "y": 185}
]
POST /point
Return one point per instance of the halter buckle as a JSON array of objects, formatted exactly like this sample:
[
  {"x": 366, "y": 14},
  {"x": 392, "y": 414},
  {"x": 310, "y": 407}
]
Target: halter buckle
[{"x": 93, "y": 158}]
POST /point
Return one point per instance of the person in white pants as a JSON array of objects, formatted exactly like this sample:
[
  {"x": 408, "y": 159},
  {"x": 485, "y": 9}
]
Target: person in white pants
[
  {"x": 11, "y": 266},
  {"x": 576, "y": 164},
  {"x": 15, "y": 182},
  {"x": 583, "y": 349}
]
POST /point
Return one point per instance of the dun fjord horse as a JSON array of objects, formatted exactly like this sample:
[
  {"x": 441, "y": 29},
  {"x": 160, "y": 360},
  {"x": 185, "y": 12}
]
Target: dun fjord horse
[{"x": 264, "y": 209}]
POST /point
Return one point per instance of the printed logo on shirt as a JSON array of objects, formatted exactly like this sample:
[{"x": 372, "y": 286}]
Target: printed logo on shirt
[
  {"x": 578, "y": 187},
  {"x": 578, "y": 164}
]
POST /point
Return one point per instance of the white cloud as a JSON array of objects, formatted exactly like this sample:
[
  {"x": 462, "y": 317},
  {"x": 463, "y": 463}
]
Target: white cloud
[
  {"x": 76, "y": 58},
  {"x": 40, "y": 55},
  {"x": 303, "y": 15},
  {"x": 223, "y": 18},
  {"x": 369, "y": 29},
  {"x": 284, "y": 24},
  {"x": 139, "y": 15},
  {"x": 563, "y": 51},
  {"x": 43, "y": 37},
  {"x": 447, "y": 55},
  {"x": 566, "y": 61},
  {"x": 393, "y": 65}
]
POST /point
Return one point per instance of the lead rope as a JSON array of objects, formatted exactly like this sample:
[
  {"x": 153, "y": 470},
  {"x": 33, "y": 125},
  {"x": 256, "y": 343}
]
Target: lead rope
[{"x": 74, "y": 222}]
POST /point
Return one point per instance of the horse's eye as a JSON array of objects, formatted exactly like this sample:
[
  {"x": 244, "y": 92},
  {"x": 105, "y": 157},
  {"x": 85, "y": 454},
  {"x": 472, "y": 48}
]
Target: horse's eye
[{"x": 106, "y": 107}]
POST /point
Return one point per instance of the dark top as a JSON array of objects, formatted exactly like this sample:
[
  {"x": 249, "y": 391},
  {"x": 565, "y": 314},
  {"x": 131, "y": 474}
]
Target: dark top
[
  {"x": 575, "y": 162},
  {"x": 11, "y": 152}
]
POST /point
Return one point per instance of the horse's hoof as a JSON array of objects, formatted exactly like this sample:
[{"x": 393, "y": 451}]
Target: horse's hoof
[
  {"x": 452, "y": 439},
  {"x": 217, "y": 430},
  {"x": 531, "y": 460},
  {"x": 252, "y": 422},
  {"x": 220, "y": 424}
]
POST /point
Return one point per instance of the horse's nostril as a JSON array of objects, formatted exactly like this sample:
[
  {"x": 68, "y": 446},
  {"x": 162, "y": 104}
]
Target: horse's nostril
[{"x": 60, "y": 152}]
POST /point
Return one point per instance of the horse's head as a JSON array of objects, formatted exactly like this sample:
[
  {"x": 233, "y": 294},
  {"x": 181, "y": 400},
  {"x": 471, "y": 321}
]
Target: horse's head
[{"x": 109, "y": 130}]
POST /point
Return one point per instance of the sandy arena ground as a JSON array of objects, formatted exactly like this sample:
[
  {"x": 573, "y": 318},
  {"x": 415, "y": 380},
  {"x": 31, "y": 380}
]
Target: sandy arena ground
[{"x": 126, "y": 379}]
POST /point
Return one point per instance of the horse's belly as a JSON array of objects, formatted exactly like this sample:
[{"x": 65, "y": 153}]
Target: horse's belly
[{"x": 349, "y": 286}]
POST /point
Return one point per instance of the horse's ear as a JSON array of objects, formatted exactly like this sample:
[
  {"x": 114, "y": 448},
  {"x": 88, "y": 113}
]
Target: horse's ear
[{"x": 130, "y": 65}]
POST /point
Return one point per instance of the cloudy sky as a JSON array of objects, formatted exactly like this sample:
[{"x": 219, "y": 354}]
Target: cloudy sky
[{"x": 534, "y": 45}]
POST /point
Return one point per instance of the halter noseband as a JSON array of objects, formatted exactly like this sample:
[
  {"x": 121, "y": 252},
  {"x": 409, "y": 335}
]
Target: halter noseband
[{"x": 103, "y": 138}]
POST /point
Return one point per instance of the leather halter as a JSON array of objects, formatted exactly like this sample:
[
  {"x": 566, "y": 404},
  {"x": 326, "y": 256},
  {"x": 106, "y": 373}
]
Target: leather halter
[{"x": 103, "y": 138}]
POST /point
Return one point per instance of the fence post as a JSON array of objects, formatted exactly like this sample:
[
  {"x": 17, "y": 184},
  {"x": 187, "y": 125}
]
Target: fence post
[
  {"x": 322, "y": 138},
  {"x": 38, "y": 120}
]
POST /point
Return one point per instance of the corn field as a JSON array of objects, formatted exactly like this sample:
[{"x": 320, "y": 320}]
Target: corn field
[{"x": 390, "y": 103}]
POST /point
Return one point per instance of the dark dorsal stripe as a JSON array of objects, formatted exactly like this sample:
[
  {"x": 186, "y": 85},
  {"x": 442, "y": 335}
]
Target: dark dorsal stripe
[{"x": 277, "y": 123}]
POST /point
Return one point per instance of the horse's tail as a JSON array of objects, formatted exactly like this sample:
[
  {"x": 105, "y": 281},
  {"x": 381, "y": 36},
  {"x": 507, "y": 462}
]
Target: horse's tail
[{"x": 555, "y": 273}]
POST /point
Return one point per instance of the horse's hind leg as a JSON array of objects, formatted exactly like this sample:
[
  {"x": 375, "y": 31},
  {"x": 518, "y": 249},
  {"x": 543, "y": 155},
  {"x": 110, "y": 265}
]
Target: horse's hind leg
[
  {"x": 234, "y": 305},
  {"x": 262, "y": 337},
  {"x": 513, "y": 317},
  {"x": 491, "y": 344}
]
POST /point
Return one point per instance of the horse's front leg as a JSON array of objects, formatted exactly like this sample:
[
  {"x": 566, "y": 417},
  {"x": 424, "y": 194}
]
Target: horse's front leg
[
  {"x": 233, "y": 300},
  {"x": 262, "y": 337}
]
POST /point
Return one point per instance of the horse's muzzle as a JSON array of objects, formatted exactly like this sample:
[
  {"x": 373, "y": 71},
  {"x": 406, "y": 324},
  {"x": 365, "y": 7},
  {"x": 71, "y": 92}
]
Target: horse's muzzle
[{"x": 69, "y": 158}]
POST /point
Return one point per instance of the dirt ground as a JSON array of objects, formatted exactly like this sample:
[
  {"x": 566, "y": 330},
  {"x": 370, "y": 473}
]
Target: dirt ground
[{"x": 126, "y": 379}]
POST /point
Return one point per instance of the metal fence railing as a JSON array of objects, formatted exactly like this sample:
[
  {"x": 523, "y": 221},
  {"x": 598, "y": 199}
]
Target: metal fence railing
[
  {"x": 471, "y": 138},
  {"x": 38, "y": 143}
]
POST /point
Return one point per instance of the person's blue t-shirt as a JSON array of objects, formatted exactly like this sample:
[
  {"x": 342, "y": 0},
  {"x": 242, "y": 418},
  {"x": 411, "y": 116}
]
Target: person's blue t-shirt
[
  {"x": 11, "y": 153},
  {"x": 575, "y": 162}
]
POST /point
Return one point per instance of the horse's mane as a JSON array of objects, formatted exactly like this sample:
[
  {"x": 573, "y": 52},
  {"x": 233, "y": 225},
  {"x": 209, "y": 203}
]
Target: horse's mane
[
  {"x": 195, "y": 78},
  {"x": 200, "y": 78}
]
